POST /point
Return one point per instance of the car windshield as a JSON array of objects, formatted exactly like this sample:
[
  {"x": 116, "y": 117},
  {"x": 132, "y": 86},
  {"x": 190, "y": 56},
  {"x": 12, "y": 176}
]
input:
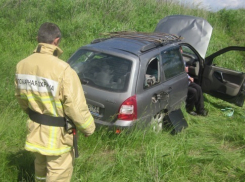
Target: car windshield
[{"x": 101, "y": 70}]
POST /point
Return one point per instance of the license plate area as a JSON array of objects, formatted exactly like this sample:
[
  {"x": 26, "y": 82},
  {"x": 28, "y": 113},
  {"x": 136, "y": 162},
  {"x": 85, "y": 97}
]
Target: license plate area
[{"x": 94, "y": 110}]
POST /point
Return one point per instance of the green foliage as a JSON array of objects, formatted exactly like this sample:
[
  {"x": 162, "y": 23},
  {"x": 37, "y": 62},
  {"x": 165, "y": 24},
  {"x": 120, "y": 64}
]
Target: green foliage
[{"x": 210, "y": 149}]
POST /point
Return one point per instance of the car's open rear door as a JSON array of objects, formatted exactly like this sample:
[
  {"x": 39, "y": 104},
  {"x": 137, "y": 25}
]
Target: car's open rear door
[{"x": 224, "y": 83}]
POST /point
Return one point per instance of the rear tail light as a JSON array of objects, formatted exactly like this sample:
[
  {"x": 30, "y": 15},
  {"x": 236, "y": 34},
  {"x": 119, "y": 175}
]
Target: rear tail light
[
  {"x": 118, "y": 131},
  {"x": 128, "y": 109}
]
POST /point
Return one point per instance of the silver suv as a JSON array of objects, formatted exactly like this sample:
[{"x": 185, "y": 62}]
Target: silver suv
[{"x": 132, "y": 78}]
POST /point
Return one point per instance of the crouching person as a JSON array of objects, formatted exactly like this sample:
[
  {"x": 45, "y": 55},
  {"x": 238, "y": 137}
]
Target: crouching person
[{"x": 49, "y": 90}]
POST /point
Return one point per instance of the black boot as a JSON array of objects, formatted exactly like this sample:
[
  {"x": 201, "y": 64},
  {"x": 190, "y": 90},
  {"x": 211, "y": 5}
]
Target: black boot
[{"x": 203, "y": 112}]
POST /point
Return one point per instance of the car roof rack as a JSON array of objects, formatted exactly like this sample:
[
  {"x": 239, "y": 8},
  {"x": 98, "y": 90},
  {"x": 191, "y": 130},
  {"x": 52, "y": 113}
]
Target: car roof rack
[{"x": 155, "y": 38}]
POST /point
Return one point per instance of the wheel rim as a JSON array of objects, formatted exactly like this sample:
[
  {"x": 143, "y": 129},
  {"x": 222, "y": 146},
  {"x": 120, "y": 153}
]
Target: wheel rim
[{"x": 157, "y": 121}]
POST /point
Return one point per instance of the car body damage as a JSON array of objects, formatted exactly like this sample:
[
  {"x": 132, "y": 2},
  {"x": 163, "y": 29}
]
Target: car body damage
[
  {"x": 136, "y": 78},
  {"x": 195, "y": 30}
]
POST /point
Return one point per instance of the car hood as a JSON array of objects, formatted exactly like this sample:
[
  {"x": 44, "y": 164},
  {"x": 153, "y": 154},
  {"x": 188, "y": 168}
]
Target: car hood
[{"x": 195, "y": 30}]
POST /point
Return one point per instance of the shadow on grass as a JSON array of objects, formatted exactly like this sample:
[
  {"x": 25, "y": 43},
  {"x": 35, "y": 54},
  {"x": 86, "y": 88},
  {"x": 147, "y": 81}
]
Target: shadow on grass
[
  {"x": 24, "y": 162},
  {"x": 218, "y": 103}
]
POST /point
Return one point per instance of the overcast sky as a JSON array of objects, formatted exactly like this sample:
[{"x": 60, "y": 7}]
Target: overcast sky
[{"x": 215, "y": 5}]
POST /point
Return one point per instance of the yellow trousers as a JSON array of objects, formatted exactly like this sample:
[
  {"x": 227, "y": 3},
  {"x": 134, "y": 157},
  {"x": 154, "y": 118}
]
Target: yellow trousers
[{"x": 54, "y": 168}]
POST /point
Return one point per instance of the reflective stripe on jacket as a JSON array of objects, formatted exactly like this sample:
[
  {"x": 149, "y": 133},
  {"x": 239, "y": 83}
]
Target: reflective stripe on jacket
[{"x": 48, "y": 85}]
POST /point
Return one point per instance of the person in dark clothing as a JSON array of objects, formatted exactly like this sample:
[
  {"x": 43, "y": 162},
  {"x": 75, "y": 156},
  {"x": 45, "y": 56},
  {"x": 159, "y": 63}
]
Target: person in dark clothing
[
  {"x": 194, "y": 96},
  {"x": 195, "y": 99}
]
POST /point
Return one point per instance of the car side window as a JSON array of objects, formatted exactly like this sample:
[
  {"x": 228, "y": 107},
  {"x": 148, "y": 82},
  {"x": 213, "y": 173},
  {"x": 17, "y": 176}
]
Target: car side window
[
  {"x": 152, "y": 75},
  {"x": 191, "y": 60},
  {"x": 172, "y": 62},
  {"x": 189, "y": 56}
]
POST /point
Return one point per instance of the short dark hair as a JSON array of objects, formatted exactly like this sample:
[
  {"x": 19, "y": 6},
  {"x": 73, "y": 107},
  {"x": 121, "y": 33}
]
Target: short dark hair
[{"x": 48, "y": 32}]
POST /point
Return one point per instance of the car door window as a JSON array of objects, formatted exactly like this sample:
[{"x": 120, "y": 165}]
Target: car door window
[
  {"x": 226, "y": 60},
  {"x": 152, "y": 76},
  {"x": 191, "y": 60},
  {"x": 172, "y": 63},
  {"x": 189, "y": 56}
]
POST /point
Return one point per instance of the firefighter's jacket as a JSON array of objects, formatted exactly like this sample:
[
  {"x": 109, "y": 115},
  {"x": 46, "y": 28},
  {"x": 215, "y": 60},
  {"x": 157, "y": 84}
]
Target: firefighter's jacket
[{"x": 49, "y": 86}]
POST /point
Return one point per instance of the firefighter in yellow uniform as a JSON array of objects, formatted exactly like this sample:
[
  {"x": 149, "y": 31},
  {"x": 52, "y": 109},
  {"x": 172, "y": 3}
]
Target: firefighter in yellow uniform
[{"x": 49, "y": 90}]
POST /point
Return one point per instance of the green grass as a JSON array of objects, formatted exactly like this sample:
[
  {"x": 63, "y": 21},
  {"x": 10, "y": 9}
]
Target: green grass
[{"x": 211, "y": 149}]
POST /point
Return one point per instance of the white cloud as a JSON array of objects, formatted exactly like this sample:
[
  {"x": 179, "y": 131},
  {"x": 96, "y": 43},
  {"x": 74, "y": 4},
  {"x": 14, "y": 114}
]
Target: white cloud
[
  {"x": 215, "y": 5},
  {"x": 228, "y": 4}
]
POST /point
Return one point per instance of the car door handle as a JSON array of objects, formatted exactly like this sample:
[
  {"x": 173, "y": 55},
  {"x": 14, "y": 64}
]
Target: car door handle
[
  {"x": 161, "y": 94},
  {"x": 219, "y": 76}
]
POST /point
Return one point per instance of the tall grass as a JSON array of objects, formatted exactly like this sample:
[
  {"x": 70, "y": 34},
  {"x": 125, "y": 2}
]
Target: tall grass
[{"x": 210, "y": 149}]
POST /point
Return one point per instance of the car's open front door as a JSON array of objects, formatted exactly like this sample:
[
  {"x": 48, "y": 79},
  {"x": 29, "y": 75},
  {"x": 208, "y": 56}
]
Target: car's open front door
[{"x": 225, "y": 83}]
